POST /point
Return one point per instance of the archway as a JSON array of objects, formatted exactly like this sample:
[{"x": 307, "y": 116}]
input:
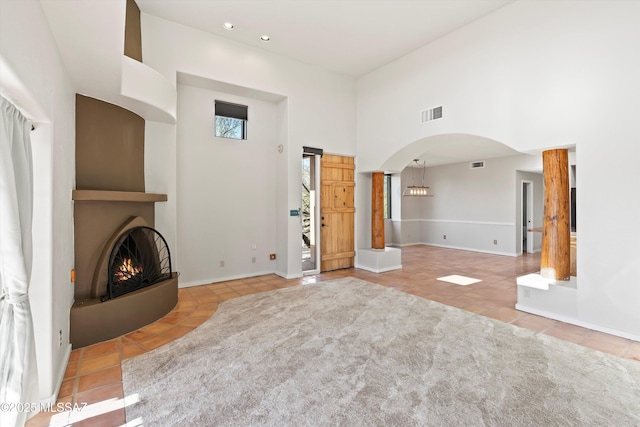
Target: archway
[
  {"x": 473, "y": 208},
  {"x": 446, "y": 149}
]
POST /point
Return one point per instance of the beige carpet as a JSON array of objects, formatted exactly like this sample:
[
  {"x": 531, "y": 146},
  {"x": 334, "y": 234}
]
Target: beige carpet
[{"x": 351, "y": 353}]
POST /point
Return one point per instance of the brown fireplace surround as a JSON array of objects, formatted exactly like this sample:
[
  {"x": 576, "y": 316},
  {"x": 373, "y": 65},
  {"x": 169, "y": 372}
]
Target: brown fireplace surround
[{"x": 110, "y": 199}]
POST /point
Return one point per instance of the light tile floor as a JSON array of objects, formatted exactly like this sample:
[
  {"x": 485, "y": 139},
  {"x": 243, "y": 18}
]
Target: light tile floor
[{"x": 93, "y": 374}]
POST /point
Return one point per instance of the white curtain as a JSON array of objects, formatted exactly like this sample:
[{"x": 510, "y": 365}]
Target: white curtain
[{"x": 18, "y": 374}]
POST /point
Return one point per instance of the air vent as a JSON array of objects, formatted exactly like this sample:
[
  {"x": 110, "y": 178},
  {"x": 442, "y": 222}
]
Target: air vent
[
  {"x": 476, "y": 165},
  {"x": 431, "y": 114}
]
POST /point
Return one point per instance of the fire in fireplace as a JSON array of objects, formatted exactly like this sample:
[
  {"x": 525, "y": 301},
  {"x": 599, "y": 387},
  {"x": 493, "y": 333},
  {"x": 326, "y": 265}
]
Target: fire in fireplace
[{"x": 139, "y": 258}]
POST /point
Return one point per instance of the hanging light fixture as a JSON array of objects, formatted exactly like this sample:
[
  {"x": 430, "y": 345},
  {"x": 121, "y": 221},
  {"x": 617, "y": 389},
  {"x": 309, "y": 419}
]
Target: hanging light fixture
[{"x": 417, "y": 190}]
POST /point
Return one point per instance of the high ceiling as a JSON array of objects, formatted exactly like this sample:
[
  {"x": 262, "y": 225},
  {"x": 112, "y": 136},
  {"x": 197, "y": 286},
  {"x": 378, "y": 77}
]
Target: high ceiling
[{"x": 352, "y": 37}]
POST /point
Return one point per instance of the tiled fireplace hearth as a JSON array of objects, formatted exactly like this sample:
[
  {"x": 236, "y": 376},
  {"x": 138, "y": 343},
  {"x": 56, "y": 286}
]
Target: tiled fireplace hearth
[{"x": 110, "y": 201}]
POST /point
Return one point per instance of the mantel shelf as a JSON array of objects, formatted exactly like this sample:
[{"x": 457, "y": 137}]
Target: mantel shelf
[{"x": 116, "y": 196}]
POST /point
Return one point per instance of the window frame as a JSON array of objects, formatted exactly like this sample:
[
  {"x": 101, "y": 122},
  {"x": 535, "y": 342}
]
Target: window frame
[
  {"x": 231, "y": 111},
  {"x": 387, "y": 196}
]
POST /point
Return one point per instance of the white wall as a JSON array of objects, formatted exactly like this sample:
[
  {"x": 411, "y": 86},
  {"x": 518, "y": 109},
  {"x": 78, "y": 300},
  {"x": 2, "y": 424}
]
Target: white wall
[
  {"x": 226, "y": 190},
  {"x": 159, "y": 164},
  {"x": 530, "y": 75},
  {"x": 41, "y": 88},
  {"x": 319, "y": 111},
  {"x": 536, "y": 75},
  {"x": 472, "y": 207},
  {"x": 537, "y": 221}
]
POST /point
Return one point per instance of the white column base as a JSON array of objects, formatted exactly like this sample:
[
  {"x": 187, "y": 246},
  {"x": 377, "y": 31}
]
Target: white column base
[{"x": 379, "y": 260}]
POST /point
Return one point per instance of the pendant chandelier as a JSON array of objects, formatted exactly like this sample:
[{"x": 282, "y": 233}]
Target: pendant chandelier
[{"x": 417, "y": 190}]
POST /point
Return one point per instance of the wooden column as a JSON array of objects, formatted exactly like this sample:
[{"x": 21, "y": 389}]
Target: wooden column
[
  {"x": 556, "y": 232},
  {"x": 377, "y": 210}
]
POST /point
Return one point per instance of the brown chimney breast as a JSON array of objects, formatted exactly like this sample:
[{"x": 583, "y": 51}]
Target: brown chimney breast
[{"x": 110, "y": 190}]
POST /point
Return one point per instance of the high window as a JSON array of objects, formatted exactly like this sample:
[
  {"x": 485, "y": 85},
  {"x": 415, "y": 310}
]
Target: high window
[{"x": 231, "y": 120}]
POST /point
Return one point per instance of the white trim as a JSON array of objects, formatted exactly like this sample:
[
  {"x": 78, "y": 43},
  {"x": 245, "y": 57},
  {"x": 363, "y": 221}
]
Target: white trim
[
  {"x": 53, "y": 398},
  {"x": 577, "y": 322},
  {"x": 457, "y": 221},
  {"x": 454, "y": 247},
  {"x": 224, "y": 279},
  {"x": 533, "y": 280},
  {"x": 471, "y": 249},
  {"x": 288, "y": 276},
  {"x": 378, "y": 270}
]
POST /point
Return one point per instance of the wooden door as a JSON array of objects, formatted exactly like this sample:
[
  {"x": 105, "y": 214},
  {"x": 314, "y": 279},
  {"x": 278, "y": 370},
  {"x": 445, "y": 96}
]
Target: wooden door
[{"x": 337, "y": 212}]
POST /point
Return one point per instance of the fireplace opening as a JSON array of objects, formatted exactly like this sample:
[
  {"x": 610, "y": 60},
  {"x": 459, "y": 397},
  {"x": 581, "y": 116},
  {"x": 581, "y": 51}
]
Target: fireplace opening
[{"x": 139, "y": 258}]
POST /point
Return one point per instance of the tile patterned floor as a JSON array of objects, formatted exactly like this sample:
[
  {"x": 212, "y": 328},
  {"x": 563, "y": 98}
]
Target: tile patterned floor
[{"x": 94, "y": 377}]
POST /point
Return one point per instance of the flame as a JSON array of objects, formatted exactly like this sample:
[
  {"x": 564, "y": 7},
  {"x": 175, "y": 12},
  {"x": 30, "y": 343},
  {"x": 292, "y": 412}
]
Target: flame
[{"x": 127, "y": 270}]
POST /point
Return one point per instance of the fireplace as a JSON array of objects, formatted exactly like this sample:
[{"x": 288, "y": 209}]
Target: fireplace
[
  {"x": 139, "y": 259},
  {"x": 123, "y": 274},
  {"x": 132, "y": 283}
]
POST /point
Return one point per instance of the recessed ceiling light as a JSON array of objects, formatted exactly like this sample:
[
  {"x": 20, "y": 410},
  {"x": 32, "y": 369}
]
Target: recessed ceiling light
[
  {"x": 228, "y": 26},
  {"x": 265, "y": 38}
]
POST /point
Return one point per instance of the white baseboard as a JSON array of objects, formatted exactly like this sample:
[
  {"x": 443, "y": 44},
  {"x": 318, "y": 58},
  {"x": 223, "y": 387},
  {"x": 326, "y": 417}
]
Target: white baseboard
[
  {"x": 53, "y": 397},
  {"x": 288, "y": 276},
  {"x": 224, "y": 279},
  {"x": 577, "y": 322},
  {"x": 379, "y": 270},
  {"x": 474, "y": 250},
  {"x": 456, "y": 247}
]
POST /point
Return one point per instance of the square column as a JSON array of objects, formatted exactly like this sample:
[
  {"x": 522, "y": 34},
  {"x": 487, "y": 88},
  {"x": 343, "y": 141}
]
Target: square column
[
  {"x": 377, "y": 210},
  {"x": 556, "y": 233}
]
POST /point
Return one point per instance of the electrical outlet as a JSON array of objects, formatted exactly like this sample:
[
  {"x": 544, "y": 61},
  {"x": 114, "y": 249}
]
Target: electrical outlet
[
  {"x": 272, "y": 256},
  {"x": 254, "y": 246},
  {"x": 444, "y": 237},
  {"x": 253, "y": 260},
  {"x": 495, "y": 242},
  {"x": 221, "y": 263}
]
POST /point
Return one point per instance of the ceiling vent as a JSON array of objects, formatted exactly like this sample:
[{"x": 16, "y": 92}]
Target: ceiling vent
[
  {"x": 476, "y": 165},
  {"x": 431, "y": 114}
]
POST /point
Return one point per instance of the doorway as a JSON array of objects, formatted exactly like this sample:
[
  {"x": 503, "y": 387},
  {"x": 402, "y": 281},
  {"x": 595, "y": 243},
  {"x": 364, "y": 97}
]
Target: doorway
[
  {"x": 527, "y": 216},
  {"x": 337, "y": 211},
  {"x": 309, "y": 214}
]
